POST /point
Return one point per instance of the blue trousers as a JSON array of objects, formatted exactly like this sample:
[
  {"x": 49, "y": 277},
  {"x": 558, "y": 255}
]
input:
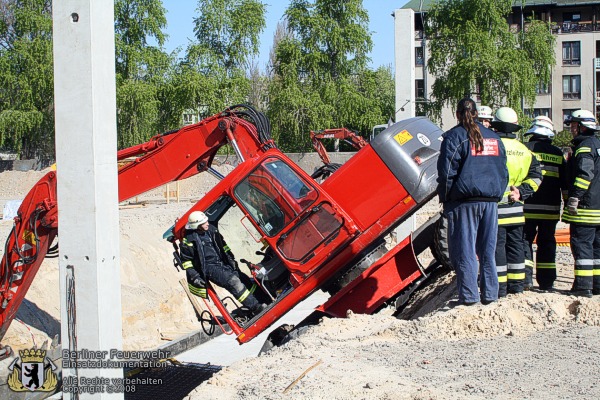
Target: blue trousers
[{"x": 472, "y": 232}]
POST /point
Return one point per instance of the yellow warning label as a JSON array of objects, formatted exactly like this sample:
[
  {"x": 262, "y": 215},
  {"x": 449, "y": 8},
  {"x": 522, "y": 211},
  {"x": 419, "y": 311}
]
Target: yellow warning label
[
  {"x": 403, "y": 137},
  {"x": 28, "y": 237}
]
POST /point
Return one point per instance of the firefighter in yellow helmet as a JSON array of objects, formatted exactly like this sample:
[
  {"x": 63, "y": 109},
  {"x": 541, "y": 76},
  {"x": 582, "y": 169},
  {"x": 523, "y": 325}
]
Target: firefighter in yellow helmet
[
  {"x": 205, "y": 256},
  {"x": 524, "y": 178},
  {"x": 542, "y": 210},
  {"x": 582, "y": 209}
]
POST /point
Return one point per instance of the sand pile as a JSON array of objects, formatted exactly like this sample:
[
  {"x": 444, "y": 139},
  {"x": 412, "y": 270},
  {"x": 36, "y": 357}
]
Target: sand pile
[
  {"x": 534, "y": 345},
  {"x": 525, "y": 346},
  {"x": 153, "y": 302}
]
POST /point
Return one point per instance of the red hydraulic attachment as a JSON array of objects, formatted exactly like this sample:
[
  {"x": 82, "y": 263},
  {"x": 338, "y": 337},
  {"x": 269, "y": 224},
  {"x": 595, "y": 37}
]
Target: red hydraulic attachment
[
  {"x": 167, "y": 157},
  {"x": 338, "y": 133}
]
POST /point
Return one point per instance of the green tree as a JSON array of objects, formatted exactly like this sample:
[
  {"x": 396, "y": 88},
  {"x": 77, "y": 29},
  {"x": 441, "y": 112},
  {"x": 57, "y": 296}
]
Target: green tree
[
  {"x": 142, "y": 71},
  {"x": 563, "y": 138},
  {"x": 473, "y": 50},
  {"x": 26, "y": 78},
  {"x": 218, "y": 62},
  {"x": 321, "y": 77}
]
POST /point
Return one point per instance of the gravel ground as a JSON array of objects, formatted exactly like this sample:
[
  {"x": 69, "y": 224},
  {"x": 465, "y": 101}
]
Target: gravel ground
[
  {"x": 534, "y": 345},
  {"x": 529, "y": 346}
]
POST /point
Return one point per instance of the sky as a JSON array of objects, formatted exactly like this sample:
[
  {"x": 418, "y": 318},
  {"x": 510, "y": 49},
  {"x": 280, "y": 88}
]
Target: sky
[{"x": 180, "y": 15}]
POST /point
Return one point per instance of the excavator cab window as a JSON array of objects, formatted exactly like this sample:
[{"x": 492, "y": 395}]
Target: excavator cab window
[{"x": 274, "y": 195}]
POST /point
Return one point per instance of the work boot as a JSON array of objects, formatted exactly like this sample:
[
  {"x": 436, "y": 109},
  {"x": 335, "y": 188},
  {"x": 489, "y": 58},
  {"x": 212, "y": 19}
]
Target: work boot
[
  {"x": 581, "y": 292},
  {"x": 259, "y": 308}
]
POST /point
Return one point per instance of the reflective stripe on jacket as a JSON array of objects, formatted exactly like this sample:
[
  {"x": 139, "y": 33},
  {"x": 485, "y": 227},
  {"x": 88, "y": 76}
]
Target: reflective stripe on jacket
[
  {"x": 545, "y": 203},
  {"x": 525, "y": 173},
  {"x": 584, "y": 180}
]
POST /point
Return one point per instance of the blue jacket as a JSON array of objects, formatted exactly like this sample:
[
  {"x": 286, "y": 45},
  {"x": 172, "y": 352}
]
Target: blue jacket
[{"x": 464, "y": 174}]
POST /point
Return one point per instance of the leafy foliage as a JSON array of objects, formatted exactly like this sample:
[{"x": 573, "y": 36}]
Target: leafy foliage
[
  {"x": 563, "y": 138},
  {"x": 26, "y": 77},
  {"x": 473, "y": 51},
  {"x": 320, "y": 74}
]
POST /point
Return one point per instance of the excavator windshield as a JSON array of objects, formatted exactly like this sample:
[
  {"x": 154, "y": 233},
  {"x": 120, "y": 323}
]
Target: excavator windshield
[{"x": 274, "y": 195}]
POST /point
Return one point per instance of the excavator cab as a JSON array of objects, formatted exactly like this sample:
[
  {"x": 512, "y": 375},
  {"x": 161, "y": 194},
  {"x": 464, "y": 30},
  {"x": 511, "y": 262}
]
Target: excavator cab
[{"x": 290, "y": 225}]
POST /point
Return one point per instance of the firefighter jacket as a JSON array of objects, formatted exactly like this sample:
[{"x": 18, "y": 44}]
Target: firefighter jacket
[
  {"x": 194, "y": 256},
  {"x": 584, "y": 180},
  {"x": 525, "y": 173},
  {"x": 546, "y": 201},
  {"x": 467, "y": 175}
]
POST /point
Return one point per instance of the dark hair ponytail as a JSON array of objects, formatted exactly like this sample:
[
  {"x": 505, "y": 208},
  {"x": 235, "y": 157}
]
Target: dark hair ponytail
[{"x": 467, "y": 116}]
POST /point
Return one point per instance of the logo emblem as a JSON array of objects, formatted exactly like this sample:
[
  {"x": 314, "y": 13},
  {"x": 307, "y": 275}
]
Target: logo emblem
[
  {"x": 423, "y": 139},
  {"x": 35, "y": 372}
]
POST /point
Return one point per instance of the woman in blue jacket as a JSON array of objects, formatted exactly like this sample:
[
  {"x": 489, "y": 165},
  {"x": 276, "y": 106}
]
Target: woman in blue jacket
[{"x": 472, "y": 178}]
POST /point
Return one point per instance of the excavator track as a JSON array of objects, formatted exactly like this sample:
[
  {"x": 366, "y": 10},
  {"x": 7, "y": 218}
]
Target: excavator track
[{"x": 358, "y": 268}]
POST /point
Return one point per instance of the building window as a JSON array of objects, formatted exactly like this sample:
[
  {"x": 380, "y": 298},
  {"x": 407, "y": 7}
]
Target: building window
[
  {"x": 536, "y": 112},
  {"x": 572, "y": 16},
  {"x": 420, "y": 89},
  {"x": 543, "y": 88},
  {"x": 571, "y": 53},
  {"x": 189, "y": 119},
  {"x": 571, "y": 87},
  {"x": 566, "y": 113},
  {"x": 419, "y": 55}
]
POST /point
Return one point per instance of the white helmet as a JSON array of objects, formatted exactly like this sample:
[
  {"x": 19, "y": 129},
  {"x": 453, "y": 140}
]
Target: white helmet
[
  {"x": 484, "y": 112},
  {"x": 506, "y": 120},
  {"x": 541, "y": 126},
  {"x": 585, "y": 118},
  {"x": 196, "y": 219}
]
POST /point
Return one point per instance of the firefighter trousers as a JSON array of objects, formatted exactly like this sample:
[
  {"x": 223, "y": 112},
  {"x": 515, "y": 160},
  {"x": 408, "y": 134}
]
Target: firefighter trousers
[
  {"x": 236, "y": 283},
  {"x": 545, "y": 257},
  {"x": 471, "y": 236},
  {"x": 585, "y": 245},
  {"x": 510, "y": 259}
]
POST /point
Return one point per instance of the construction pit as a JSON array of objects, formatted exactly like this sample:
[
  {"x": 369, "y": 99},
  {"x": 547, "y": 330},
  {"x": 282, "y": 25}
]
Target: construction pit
[{"x": 534, "y": 345}]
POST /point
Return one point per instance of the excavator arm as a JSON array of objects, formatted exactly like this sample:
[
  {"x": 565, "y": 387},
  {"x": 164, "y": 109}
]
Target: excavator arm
[
  {"x": 165, "y": 158},
  {"x": 338, "y": 133}
]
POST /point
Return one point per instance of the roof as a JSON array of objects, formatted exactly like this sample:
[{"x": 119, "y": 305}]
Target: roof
[{"x": 424, "y": 5}]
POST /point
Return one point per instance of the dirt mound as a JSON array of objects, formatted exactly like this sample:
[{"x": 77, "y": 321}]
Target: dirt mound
[
  {"x": 514, "y": 347},
  {"x": 154, "y": 304}
]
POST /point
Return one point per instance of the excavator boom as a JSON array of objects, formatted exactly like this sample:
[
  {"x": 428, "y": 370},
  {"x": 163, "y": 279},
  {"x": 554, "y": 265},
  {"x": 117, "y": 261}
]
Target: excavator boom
[
  {"x": 338, "y": 133},
  {"x": 168, "y": 157}
]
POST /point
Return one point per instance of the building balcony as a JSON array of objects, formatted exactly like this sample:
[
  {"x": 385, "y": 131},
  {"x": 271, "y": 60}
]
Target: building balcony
[{"x": 575, "y": 27}]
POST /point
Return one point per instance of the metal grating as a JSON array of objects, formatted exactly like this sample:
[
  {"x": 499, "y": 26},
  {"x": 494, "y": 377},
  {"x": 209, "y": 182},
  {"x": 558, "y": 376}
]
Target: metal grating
[{"x": 177, "y": 381}]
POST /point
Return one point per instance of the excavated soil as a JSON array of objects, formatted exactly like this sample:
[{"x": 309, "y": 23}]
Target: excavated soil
[{"x": 534, "y": 345}]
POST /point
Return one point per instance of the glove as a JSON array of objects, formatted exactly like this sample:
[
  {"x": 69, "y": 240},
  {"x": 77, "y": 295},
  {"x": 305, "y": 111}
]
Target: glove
[
  {"x": 571, "y": 205},
  {"x": 198, "y": 287}
]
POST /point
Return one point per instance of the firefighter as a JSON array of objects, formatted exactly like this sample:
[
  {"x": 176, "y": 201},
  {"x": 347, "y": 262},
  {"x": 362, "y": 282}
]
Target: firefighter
[
  {"x": 471, "y": 180},
  {"x": 524, "y": 178},
  {"x": 582, "y": 209},
  {"x": 542, "y": 209},
  {"x": 485, "y": 116},
  {"x": 206, "y": 256}
]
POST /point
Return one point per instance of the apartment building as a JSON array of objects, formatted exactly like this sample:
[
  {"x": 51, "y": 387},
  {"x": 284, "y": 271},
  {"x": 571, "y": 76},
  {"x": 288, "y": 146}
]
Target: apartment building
[{"x": 575, "y": 78}]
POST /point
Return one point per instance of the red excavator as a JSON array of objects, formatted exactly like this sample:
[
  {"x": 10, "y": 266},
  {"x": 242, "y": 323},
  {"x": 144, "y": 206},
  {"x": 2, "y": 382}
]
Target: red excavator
[
  {"x": 344, "y": 134},
  {"x": 328, "y": 235}
]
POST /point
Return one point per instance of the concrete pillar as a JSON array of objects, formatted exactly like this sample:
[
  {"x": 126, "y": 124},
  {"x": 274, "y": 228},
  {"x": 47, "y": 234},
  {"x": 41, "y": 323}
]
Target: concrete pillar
[
  {"x": 404, "y": 54},
  {"x": 86, "y": 146}
]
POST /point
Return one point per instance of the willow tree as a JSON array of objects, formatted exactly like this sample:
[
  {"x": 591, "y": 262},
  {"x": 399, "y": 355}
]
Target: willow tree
[
  {"x": 474, "y": 51},
  {"x": 26, "y": 78},
  {"x": 141, "y": 70},
  {"x": 218, "y": 61},
  {"x": 321, "y": 77}
]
